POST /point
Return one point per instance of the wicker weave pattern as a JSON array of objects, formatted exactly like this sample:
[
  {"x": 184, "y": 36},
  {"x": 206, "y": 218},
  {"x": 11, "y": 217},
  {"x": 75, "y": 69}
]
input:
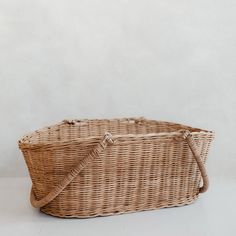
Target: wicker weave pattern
[{"x": 76, "y": 171}]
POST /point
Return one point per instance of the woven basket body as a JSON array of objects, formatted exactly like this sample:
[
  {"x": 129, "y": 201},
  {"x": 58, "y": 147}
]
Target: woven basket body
[{"x": 140, "y": 164}]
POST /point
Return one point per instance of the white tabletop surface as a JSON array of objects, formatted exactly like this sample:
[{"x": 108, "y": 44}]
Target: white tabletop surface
[{"x": 214, "y": 213}]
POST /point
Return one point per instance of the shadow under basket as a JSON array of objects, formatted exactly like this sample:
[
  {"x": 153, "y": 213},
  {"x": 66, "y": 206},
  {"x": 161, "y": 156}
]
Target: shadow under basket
[{"x": 87, "y": 168}]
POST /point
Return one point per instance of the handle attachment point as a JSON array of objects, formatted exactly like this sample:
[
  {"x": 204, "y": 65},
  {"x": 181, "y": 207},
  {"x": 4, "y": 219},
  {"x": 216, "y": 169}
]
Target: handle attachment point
[{"x": 108, "y": 138}]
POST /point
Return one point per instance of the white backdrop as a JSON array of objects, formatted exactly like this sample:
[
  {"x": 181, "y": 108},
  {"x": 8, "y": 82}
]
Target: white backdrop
[{"x": 166, "y": 60}]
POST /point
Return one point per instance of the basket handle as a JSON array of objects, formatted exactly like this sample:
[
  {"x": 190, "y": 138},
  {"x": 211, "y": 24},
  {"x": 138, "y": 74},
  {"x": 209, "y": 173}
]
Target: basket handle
[
  {"x": 191, "y": 143},
  {"x": 107, "y": 139}
]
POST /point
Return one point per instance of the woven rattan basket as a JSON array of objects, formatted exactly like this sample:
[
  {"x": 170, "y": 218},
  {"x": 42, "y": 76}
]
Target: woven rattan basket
[{"x": 86, "y": 168}]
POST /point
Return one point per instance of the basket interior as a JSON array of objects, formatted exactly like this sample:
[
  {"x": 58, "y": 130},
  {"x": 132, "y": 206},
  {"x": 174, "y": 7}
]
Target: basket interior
[{"x": 95, "y": 128}]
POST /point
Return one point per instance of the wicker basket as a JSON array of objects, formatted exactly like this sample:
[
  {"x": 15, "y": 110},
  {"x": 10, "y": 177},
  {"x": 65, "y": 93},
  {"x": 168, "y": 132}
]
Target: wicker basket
[{"x": 80, "y": 170}]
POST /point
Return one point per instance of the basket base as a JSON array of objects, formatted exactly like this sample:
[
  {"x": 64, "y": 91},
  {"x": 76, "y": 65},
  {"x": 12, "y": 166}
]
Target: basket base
[{"x": 125, "y": 210}]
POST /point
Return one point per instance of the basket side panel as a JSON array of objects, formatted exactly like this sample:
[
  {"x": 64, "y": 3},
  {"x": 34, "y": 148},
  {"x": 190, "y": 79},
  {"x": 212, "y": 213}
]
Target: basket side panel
[{"x": 128, "y": 177}]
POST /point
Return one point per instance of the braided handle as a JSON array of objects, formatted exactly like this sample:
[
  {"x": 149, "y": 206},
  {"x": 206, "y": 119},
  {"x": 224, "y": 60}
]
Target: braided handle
[
  {"x": 191, "y": 143},
  {"x": 72, "y": 174}
]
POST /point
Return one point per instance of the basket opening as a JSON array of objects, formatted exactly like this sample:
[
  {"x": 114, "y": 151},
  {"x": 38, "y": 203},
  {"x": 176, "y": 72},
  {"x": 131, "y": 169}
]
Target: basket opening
[{"x": 95, "y": 128}]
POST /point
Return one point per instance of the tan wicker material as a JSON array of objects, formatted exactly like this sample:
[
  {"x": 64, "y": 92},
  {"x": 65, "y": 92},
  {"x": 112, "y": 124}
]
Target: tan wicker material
[{"x": 80, "y": 170}]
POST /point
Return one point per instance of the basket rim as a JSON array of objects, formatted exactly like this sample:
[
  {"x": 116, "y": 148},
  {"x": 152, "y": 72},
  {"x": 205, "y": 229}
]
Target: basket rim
[{"x": 23, "y": 142}]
